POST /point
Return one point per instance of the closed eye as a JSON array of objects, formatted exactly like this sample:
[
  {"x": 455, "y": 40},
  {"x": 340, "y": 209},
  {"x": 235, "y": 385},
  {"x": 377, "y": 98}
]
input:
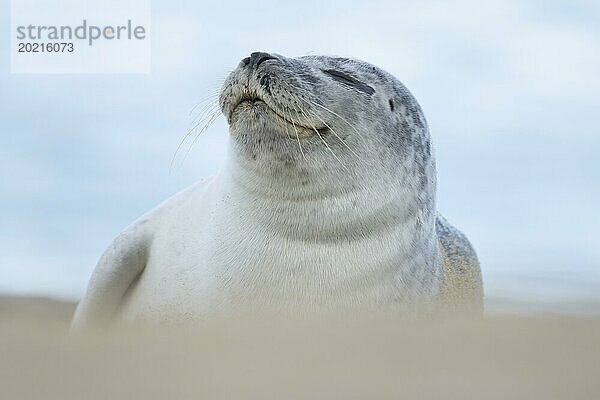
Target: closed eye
[
  {"x": 338, "y": 75},
  {"x": 349, "y": 81}
]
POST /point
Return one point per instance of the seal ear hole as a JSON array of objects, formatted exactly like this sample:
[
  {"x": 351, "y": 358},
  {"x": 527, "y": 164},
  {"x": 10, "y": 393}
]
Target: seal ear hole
[{"x": 391, "y": 102}]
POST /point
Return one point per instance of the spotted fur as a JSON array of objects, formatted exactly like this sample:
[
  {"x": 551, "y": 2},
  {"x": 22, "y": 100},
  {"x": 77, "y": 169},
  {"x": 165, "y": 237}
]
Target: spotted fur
[{"x": 326, "y": 203}]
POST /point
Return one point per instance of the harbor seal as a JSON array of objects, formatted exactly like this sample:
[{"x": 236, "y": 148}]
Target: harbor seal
[{"x": 326, "y": 202}]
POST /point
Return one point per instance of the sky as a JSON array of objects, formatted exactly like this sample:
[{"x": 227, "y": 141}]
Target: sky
[{"x": 510, "y": 90}]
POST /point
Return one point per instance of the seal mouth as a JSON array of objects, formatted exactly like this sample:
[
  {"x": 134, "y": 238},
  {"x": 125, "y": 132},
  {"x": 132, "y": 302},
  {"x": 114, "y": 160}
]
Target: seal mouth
[
  {"x": 254, "y": 98},
  {"x": 249, "y": 99}
]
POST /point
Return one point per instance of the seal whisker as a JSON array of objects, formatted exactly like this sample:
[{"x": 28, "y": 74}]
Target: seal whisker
[
  {"x": 212, "y": 96},
  {"x": 211, "y": 99},
  {"x": 339, "y": 138},
  {"x": 206, "y": 114},
  {"x": 314, "y": 114},
  {"x": 287, "y": 128},
  {"x": 294, "y": 126},
  {"x": 206, "y": 110},
  {"x": 297, "y": 136},
  {"x": 201, "y": 111},
  {"x": 322, "y": 139},
  {"x": 337, "y": 115},
  {"x": 210, "y": 119}
]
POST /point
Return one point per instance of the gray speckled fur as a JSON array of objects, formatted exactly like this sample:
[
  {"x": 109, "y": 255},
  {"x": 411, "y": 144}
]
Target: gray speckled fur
[
  {"x": 398, "y": 136},
  {"x": 463, "y": 288},
  {"x": 326, "y": 202},
  {"x": 397, "y": 141}
]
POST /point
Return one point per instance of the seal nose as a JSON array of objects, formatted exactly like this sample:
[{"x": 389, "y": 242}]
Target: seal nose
[{"x": 257, "y": 58}]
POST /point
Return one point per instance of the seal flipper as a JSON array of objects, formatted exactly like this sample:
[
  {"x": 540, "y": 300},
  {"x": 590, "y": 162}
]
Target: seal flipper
[
  {"x": 119, "y": 266},
  {"x": 463, "y": 288}
]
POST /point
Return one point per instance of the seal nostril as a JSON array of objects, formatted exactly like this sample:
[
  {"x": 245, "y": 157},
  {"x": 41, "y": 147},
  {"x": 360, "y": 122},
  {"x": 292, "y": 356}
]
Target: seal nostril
[
  {"x": 245, "y": 61},
  {"x": 258, "y": 58},
  {"x": 263, "y": 59}
]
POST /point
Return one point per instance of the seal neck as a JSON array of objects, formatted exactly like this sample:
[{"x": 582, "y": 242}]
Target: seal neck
[{"x": 320, "y": 206}]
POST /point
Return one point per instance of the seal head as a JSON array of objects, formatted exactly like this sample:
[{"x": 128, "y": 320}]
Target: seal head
[{"x": 323, "y": 118}]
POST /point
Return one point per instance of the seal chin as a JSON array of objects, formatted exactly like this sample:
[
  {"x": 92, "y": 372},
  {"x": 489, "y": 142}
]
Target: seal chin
[
  {"x": 244, "y": 104},
  {"x": 251, "y": 111}
]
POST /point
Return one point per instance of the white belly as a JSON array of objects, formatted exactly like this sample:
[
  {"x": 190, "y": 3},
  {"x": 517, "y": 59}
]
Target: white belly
[
  {"x": 219, "y": 260},
  {"x": 196, "y": 277}
]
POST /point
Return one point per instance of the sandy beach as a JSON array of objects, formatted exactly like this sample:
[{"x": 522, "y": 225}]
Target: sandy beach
[{"x": 498, "y": 357}]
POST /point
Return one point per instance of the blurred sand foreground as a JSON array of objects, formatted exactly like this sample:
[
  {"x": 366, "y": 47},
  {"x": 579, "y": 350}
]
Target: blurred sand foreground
[{"x": 497, "y": 358}]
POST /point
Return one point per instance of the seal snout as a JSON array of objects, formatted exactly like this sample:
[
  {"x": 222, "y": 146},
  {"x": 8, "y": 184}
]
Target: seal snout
[
  {"x": 256, "y": 59},
  {"x": 281, "y": 93},
  {"x": 245, "y": 87}
]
